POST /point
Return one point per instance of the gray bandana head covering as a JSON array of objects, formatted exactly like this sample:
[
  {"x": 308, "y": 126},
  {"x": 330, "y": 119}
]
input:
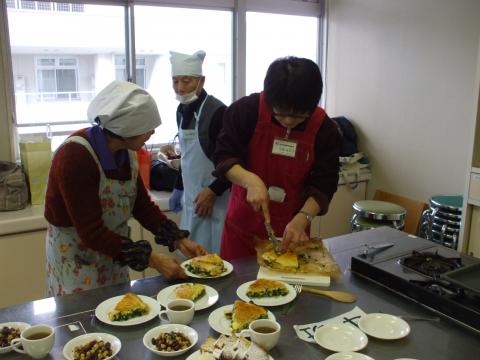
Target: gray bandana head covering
[
  {"x": 187, "y": 65},
  {"x": 125, "y": 109}
]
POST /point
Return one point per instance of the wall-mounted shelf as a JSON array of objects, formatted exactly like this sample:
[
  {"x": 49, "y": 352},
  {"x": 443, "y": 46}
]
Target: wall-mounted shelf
[{"x": 475, "y": 170}]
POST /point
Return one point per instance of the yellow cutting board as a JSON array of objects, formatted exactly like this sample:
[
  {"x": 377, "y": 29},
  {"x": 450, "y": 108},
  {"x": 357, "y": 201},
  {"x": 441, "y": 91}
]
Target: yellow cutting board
[{"x": 291, "y": 278}]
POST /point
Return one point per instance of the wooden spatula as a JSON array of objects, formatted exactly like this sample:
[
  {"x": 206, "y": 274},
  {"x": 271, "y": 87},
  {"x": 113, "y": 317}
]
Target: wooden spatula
[{"x": 341, "y": 296}]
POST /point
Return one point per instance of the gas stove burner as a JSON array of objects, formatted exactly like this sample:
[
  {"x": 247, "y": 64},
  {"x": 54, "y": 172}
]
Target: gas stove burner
[
  {"x": 431, "y": 263},
  {"x": 439, "y": 287}
]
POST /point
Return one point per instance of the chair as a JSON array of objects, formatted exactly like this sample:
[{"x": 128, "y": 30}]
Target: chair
[{"x": 414, "y": 209}]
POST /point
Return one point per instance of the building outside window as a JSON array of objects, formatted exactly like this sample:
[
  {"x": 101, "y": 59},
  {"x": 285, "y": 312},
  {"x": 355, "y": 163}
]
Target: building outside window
[
  {"x": 57, "y": 78},
  {"x": 121, "y": 70},
  {"x": 43, "y": 5},
  {"x": 280, "y": 38},
  {"x": 29, "y": 5}
]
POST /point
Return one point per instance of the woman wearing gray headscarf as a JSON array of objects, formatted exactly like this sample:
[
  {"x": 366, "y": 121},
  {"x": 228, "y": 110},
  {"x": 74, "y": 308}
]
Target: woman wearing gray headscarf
[{"x": 94, "y": 188}]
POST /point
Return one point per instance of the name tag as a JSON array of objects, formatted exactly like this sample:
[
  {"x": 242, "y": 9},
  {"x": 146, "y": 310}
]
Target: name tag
[
  {"x": 189, "y": 134},
  {"x": 284, "y": 147}
]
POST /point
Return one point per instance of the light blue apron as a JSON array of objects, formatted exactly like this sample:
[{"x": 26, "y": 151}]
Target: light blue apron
[
  {"x": 73, "y": 268},
  {"x": 197, "y": 174}
]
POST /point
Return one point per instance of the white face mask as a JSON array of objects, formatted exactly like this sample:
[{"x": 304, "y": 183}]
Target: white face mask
[{"x": 187, "y": 98}]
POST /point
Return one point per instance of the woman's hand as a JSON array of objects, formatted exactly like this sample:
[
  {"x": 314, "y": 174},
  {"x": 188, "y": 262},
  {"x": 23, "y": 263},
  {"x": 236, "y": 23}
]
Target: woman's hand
[
  {"x": 257, "y": 195},
  {"x": 167, "y": 266},
  {"x": 190, "y": 248},
  {"x": 295, "y": 234},
  {"x": 204, "y": 202}
]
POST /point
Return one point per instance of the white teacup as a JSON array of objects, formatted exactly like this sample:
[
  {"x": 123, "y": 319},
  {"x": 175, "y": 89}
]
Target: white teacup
[
  {"x": 178, "y": 311},
  {"x": 264, "y": 332},
  {"x": 37, "y": 341}
]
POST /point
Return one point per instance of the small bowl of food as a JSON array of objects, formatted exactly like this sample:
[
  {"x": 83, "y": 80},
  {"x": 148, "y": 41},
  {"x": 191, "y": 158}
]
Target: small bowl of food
[
  {"x": 103, "y": 346},
  {"x": 8, "y": 332},
  {"x": 170, "y": 340}
]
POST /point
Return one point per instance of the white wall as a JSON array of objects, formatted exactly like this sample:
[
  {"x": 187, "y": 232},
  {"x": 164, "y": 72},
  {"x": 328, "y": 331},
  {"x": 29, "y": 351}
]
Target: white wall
[{"x": 404, "y": 72}]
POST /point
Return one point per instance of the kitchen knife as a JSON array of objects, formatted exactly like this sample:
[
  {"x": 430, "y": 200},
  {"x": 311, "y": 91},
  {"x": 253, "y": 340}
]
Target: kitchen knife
[{"x": 272, "y": 237}]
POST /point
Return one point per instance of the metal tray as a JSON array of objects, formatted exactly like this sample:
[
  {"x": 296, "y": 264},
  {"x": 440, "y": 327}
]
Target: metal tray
[{"x": 468, "y": 277}]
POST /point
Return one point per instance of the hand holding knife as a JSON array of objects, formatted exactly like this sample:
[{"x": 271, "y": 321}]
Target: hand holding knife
[{"x": 272, "y": 237}]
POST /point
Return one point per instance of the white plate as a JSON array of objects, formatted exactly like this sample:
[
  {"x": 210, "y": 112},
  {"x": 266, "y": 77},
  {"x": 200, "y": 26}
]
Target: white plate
[
  {"x": 207, "y": 300},
  {"x": 340, "y": 337},
  {"x": 218, "y": 321},
  {"x": 69, "y": 348},
  {"x": 102, "y": 310},
  {"x": 267, "y": 301},
  {"x": 196, "y": 356},
  {"x": 14, "y": 324},
  {"x": 348, "y": 355},
  {"x": 226, "y": 264},
  {"x": 384, "y": 326},
  {"x": 190, "y": 333}
]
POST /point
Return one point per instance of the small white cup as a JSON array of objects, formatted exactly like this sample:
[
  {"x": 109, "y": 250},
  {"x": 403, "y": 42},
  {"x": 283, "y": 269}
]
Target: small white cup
[
  {"x": 37, "y": 341},
  {"x": 178, "y": 311},
  {"x": 264, "y": 332}
]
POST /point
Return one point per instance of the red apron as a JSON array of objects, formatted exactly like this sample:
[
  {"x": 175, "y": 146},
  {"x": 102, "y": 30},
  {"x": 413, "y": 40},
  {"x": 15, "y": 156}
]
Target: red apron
[{"x": 242, "y": 222}]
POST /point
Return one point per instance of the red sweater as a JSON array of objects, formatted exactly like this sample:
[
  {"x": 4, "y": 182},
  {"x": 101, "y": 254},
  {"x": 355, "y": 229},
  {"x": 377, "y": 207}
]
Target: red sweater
[{"x": 72, "y": 198}]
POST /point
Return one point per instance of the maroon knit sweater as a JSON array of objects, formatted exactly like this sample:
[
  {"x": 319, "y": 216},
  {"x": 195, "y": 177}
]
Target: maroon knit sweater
[{"x": 72, "y": 198}]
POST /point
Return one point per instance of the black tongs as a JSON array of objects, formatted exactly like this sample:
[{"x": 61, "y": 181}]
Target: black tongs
[{"x": 272, "y": 237}]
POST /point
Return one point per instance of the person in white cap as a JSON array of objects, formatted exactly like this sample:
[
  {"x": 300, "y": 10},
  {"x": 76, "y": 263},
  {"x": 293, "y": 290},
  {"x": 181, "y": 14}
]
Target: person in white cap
[
  {"x": 94, "y": 188},
  {"x": 199, "y": 120}
]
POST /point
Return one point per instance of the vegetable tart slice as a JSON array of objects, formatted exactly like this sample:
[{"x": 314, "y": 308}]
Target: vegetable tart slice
[
  {"x": 244, "y": 313},
  {"x": 261, "y": 288},
  {"x": 130, "y": 306}
]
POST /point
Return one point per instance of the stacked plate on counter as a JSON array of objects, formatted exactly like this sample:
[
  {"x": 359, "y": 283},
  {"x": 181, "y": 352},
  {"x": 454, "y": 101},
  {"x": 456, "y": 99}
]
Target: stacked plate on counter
[{"x": 441, "y": 222}]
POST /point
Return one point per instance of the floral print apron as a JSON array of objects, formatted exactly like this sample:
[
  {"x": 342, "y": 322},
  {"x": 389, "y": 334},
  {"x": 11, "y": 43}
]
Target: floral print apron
[{"x": 71, "y": 267}]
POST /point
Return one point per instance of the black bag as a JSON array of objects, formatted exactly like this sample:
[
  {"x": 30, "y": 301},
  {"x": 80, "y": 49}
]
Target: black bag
[
  {"x": 349, "y": 135},
  {"x": 13, "y": 187},
  {"x": 162, "y": 177}
]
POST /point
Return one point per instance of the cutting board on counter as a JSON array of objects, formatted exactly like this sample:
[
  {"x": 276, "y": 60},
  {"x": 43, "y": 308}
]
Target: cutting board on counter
[{"x": 291, "y": 278}]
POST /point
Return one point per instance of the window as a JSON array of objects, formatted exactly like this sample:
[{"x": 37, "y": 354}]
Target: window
[
  {"x": 57, "y": 78},
  {"x": 157, "y": 32},
  {"x": 29, "y": 5},
  {"x": 43, "y": 5},
  {"x": 271, "y": 36},
  {"x": 60, "y": 61},
  {"x": 121, "y": 70},
  {"x": 64, "y": 53},
  {"x": 63, "y": 7},
  {"x": 77, "y": 7}
]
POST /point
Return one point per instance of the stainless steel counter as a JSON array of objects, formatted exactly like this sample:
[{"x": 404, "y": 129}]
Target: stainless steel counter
[{"x": 427, "y": 341}]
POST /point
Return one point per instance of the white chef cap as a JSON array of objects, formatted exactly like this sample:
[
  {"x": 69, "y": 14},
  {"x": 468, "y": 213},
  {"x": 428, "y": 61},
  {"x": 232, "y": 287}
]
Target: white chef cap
[
  {"x": 187, "y": 65},
  {"x": 125, "y": 109}
]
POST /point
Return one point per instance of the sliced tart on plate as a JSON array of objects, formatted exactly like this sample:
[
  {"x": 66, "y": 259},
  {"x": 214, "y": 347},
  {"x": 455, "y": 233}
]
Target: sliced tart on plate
[
  {"x": 190, "y": 291},
  {"x": 206, "y": 265},
  {"x": 261, "y": 288},
  {"x": 243, "y": 314},
  {"x": 130, "y": 306}
]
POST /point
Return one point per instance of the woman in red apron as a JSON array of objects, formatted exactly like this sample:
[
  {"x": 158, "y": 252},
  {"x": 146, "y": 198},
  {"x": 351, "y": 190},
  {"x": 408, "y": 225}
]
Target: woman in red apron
[{"x": 280, "y": 150}]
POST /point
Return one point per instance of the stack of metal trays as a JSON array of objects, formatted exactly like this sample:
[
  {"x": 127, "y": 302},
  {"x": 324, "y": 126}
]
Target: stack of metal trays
[
  {"x": 370, "y": 214},
  {"x": 441, "y": 222}
]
